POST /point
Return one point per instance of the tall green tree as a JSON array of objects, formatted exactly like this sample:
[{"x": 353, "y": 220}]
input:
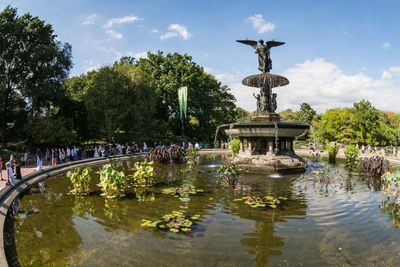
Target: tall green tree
[
  {"x": 305, "y": 114},
  {"x": 33, "y": 64}
]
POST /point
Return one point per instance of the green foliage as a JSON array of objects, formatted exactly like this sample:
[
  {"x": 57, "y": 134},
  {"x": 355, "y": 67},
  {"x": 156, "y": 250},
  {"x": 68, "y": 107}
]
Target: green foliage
[
  {"x": 143, "y": 174},
  {"x": 175, "y": 222},
  {"x": 80, "y": 181},
  {"x": 33, "y": 64},
  {"x": 235, "y": 146},
  {"x": 182, "y": 192},
  {"x": 230, "y": 173},
  {"x": 351, "y": 153},
  {"x": 113, "y": 183},
  {"x": 332, "y": 149},
  {"x": 192, "y": 156},
  {"x": 262, "y": 202},
  {"x": 306, "y": 114},
  {"x": 242, "y": 115},
  {"x": 288, "y": 115}
]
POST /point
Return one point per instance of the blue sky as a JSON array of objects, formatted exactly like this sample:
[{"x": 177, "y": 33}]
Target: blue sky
[{"x": 336, "y": 52}]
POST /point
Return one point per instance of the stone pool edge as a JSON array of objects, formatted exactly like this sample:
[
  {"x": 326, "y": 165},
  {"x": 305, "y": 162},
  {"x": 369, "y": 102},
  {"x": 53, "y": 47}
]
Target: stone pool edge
[{"x": 9, "y": 193}]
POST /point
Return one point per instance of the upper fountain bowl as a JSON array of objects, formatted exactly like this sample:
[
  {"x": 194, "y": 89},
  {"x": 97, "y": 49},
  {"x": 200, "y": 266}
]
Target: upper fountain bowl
[{"x": 263, "y": 79}]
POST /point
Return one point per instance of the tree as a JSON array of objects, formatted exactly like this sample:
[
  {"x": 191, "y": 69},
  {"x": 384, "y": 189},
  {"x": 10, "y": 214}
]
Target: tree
[
  {"x": 305, "y": 114},
  {"x": 33, "y": 63},
  {"x": 242, "y": 115},
  {"x": 288, "y": 115}
]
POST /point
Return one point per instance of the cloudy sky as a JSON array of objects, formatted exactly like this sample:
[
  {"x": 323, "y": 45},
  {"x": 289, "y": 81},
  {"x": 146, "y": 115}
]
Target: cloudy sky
[{"x": 336, "y": 52}]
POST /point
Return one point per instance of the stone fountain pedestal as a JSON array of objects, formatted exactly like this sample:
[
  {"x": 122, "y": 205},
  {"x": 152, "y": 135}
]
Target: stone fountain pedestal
[{"x": 266, "y": 143}]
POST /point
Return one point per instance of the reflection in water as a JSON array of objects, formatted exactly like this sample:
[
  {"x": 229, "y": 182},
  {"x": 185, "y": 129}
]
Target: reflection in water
[{"x": 335, "y": 223}]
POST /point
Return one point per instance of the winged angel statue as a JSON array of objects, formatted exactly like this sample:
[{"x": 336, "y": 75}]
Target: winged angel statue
[{"x": 263, "y": 51}]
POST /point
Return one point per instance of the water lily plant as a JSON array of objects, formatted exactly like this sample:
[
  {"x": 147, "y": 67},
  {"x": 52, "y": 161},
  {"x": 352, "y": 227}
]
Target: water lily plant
[
  {"x": 175, "y": 222},
  {"x": 113, "y": 183},
  {"x": 262, "y": 202}
]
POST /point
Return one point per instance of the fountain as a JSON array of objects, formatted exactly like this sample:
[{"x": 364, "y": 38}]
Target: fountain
[{"x": 269, "y": 140}]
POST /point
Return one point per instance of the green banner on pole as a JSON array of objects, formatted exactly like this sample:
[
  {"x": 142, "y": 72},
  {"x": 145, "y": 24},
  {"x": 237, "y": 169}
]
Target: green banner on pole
[{"x": 182, "y": 96}]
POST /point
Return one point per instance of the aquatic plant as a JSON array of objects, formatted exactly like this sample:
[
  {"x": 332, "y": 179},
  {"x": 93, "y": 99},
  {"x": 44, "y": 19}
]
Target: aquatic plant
[
  {"x": 182, "y": 192},
  {"x": 332, "y": 149},
  {"x": 235, "y": 146},
  {"x": 191, "y": 156},
  {"x": 143, "y": 174},
  {"x": 376, "y": 165},
  {"x": 144, "y": 194},
  {"x": 159, "y": 154},
  {"x": 175, "y": 222},
  {"x": 80, "y": 181},
  {"x": 176, "y": 153},
  {"x": 113, "y": 183},
  {"x": 230, "y": 173},
  {"x": 351, "y": 153},
  {"x": 262, "y": 202}
]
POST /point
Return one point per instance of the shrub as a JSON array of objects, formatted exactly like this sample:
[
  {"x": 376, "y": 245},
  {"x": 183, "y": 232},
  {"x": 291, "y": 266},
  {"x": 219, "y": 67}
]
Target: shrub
[
  {"x": 235, "y": 146},
  {"x": 80, "y": 181},
  {"x": 351, "y": 153}
]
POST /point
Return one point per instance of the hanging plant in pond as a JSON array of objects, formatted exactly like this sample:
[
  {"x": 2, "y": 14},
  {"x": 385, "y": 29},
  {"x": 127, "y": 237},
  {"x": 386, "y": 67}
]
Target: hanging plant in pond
[
  {"x": 351, "y": 153},
  {"x": 80, "y": 181},
  {"x": 113, "y": 183},
  {"x": 176, "y": 153},
  {"x": 143, "y": 174},
  {"x": 376, "y": 166},
  {"x": 159, "y": 154},
  {"x": 182, "y": 192},
  {"x": 262, "y": 202},
  {"x": 175, "y": 222}
]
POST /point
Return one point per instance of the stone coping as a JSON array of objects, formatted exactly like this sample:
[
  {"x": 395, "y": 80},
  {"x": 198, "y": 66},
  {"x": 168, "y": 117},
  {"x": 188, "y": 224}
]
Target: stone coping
[
  {"x": 280, "y": 124},
  {"x": 9, "y": 193}
]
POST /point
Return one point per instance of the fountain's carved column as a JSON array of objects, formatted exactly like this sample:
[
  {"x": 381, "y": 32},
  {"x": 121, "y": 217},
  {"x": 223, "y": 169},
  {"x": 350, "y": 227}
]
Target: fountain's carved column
[
  {"x": 241, "y": 144},
  {"x": 270, "y": 146},
  {"x": 249, "y": 144},
  {"x": 289, "y": 145},
  {"x": 282, "y": 145}
]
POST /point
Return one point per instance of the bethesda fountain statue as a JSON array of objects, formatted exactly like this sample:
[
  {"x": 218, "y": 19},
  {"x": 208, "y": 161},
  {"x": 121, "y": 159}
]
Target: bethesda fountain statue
[{"x": 269, "y": 140}]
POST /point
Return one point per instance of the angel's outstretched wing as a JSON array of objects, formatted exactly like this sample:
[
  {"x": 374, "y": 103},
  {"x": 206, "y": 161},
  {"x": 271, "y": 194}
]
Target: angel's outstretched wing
[
  {"x": 274, "y": 43},
  {"x": 248, "y": 42}
]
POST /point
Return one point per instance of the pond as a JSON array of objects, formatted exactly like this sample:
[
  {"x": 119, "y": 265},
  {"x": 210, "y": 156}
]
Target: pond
[{"x": 340, "y": 220}]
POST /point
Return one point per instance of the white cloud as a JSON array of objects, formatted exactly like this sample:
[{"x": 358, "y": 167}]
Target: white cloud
[
  {"x": 168, "y": 35},
  {"x": 117, "y": 21},
  {"x": 89, "y": 20},
  {"x": 386, "y": 45},
  {"x": 124, "y": 20},
  {"x": 260, "y": 25},
  {"x": 175, "y": 30},
  {"x": 324, "y": 85},
  {"x": 345, "y": 32},
  {"x": 153, "y": 31},
  {"x": 138, "y": 55},
  {"x": 114, "y": 34},
  {"x": 91, "y": 65}
]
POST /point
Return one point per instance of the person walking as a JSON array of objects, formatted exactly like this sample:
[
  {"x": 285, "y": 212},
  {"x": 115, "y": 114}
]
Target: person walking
[
  {"x": 10, "y": 174},
  {"x": 39, "y": 164},
  {"x": 53, "y": 157},
  {"x": 18, "y": 175},
  {"x": 26, "y": 159},
  {"x": 48, "y": 156}
]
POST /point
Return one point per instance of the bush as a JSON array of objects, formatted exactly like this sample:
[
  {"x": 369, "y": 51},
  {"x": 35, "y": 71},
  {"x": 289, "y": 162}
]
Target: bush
[
  {"x": 176, "y": 153},
  {"x": 351, "y": 153},
  {"x": 235, "y": 146},
  {"x": 376, "y": 166},
  {"x": 80, "y": 181}
]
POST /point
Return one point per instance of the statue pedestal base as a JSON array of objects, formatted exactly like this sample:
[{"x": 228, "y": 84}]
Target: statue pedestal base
[{"x": 266, "y": 118}]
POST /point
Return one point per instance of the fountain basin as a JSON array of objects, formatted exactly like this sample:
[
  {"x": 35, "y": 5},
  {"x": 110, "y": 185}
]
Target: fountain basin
[{"x": 262, "y": 79}]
